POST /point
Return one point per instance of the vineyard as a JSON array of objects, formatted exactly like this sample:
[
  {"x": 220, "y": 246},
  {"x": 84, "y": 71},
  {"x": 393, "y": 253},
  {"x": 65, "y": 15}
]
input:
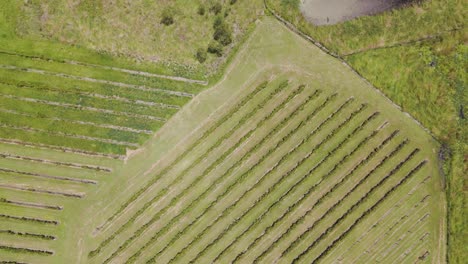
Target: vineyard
[{"x": 285, "y": 160}]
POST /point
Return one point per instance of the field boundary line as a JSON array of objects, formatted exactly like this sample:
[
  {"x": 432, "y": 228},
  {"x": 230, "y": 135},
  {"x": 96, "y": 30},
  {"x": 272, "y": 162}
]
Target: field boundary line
[{"x": 133, "y": 72}]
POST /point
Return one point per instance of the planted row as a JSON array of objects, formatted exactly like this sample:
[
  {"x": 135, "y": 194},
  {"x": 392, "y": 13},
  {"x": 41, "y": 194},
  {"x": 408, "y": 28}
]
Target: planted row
[
  {"x": 284, "y": 177},
  {"x": 256, "y": 146},
  {"x": 47, "y": 110},
  {"x": 272, "y": 132},
  {"x": 60, "y": 163},
  {"x": 153, "y": 181},
  {"x": 85, "y": 100},
  {"x": 57, "y": 141},
  {"x": 29, "y": 219},
  {"x": 26, "y": 234},
  {"x": 26, "y": 250},
  {"x": 214, "y": 164},
  {"x": 339, "y": 220},
  {"x": 102, "y": 73},
  {"x": 30, "y": 79},
  {"x": 276, "y": 166},
  {"x": 292, "y": 207},
  {"x": 290, "y": 189},
  {"x": 370, "y": 210},
  {"x": 302, "y": 218},
  {"x": 222, "y": 158},
  {"x": 54, "y": 126},
  {"x": 43, "y": 206},
  {"x": 3, "y": 171}
]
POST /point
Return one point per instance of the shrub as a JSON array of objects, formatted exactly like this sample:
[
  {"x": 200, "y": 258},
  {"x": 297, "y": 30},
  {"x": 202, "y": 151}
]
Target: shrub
[
  {"x": 215, "y": 48},
  {"x": 232, "y": 2},
  {"x": 201, "y": 55},
  {"x": 216, "y": 8},
  {"x": 201, "y": 10},
  {"x": 223, "y": 33},
  {"x": 167, "y": 17}
]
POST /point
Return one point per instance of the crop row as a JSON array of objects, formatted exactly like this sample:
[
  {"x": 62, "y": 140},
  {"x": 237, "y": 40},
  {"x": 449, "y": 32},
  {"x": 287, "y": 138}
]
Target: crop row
[
  {"x": 159, "y": 176},
  {"x": 86, "y": 100},
  {"x": 29, "y": 219},
  {"x": 222, "y": 158},
  {"x": 412, "y": 210},
  {"x": 292, "y": 207},
  {"x": 49, "y": 110},
  {"x": 59, "y": 142},
  {"x": 102, "y": 73},
  {"x": 31, "y": 189},
  {"x": 26, "y": 250},
  {"x": 272, "y": 132},
  {"x": 58, "y": 163},
  {"x": 28, "y": 79},
  {"x": 339, "y": 220},
  {"x": 234, "y": 109},
  {"x": 399, "y": 205},
  {"x": 27, "y": 204},
  {"x": 285, "y": 194},
  {"x": 285, "y": 176},
  {"x": 26, "y": 234},
  {"x": 70, "y": 135},
  {"x": 277, "y": 165},
  {"x": 370, "y": 210},
  {"x": 250, "y": 152},
  {"x": 303, "y": 197},
  {"x": 302, "y": 218},
  {"x": 39, "y": 175}
]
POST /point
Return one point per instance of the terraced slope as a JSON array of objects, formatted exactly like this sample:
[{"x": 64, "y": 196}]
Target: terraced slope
[{"x": 291, "y": 158}]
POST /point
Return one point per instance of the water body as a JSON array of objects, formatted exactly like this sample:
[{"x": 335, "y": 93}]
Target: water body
[{"x": 326, "y": 12}]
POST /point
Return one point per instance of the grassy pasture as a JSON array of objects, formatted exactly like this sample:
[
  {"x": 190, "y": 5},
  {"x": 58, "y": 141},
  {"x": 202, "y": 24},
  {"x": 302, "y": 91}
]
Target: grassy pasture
[{"x": 290, "y": 157}]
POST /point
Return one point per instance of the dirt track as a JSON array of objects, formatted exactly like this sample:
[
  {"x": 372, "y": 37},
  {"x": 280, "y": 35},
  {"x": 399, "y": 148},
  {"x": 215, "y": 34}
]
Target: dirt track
[{"x": 324, "y": 12}]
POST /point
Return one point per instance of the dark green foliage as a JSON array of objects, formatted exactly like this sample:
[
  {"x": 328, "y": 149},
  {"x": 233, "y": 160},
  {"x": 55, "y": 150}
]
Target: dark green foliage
[
  {"x": 201, "y": 10},
  {"x": 215, "y": 48},
  {"x": 223, "y": 32},
  {"x": 167, "y": 16},
  {"x": 201, "y": 55},
  {"x": 216, "y": 8}
]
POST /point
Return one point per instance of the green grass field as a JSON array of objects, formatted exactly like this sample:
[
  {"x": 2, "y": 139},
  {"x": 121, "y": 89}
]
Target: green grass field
[{"x": 290, "y": 157}]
